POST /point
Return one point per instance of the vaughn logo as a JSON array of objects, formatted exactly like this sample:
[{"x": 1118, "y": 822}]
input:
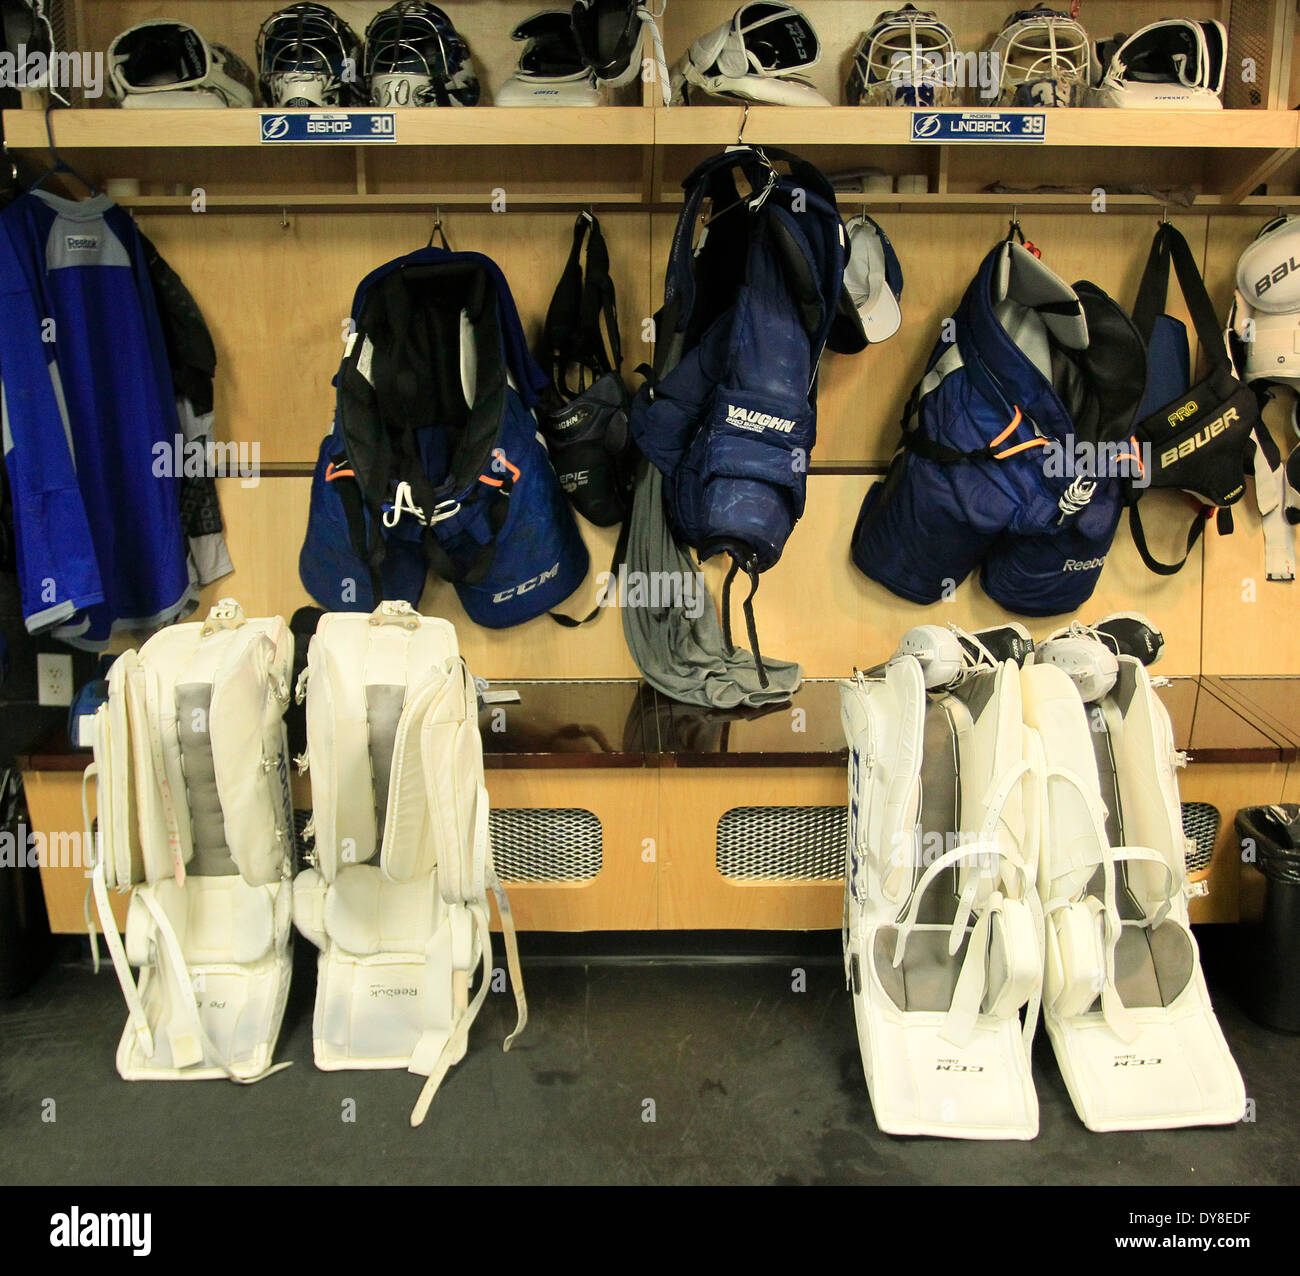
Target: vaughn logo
[
  {"x": 75, "y": 1230},
  {"x": 745, "y": 419}
]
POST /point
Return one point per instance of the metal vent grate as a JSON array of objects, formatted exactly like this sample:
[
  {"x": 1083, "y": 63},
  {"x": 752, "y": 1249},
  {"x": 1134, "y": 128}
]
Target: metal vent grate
[
  {"x": 782, "y": 843},
  {"x": 1200, "y": 823},
  {"x": 546, "y": 844}
]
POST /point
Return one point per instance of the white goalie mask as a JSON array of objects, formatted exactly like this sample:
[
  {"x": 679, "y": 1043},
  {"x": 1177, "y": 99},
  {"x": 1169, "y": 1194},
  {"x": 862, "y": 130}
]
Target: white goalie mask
[
  {"x": 907, "y": 58},
  {"x": 1175, "y": 64},
  {"x": 1043, "y": 58}
]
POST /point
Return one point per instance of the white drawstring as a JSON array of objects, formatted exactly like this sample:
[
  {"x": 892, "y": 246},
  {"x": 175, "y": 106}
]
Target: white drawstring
[
  {"x": 661, "y": 60},
  {"x": 403, "y": 503},
  {"x": 1076, "y": 496}
]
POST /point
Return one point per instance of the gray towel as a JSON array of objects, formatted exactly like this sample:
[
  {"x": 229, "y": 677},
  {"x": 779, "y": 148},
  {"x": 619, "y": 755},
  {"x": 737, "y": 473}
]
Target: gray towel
[{"x": 682, "y": 657}]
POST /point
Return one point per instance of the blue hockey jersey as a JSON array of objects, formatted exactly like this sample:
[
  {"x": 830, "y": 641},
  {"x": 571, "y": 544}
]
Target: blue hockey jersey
[{"x": 88, "y": 406}]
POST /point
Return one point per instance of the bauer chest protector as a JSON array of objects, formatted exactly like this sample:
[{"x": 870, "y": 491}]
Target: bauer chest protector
[
  {"x": 1012, "y": 446},
  {"x": 434, "y": 456},
  {"x": 1201, "y": 438},
  {"x": 730, "y": 416}
]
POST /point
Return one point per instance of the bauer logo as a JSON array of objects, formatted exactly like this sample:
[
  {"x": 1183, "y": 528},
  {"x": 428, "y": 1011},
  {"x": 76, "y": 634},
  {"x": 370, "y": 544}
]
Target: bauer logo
[
  {"x": 1082, "y": 564},
  {"x": 1199, "y": 439},
  {"x": 1276, "y": 275},
  {"x": 744, "y": 419}
]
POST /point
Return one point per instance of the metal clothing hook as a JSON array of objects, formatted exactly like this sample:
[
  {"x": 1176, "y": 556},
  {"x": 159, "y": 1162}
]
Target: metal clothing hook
[
  {"x": 1164, "y": 214},
  {"x": 438, "y": 230},
  {"x": 284, "y": 219},
  {"x": 744, "y": 119}
]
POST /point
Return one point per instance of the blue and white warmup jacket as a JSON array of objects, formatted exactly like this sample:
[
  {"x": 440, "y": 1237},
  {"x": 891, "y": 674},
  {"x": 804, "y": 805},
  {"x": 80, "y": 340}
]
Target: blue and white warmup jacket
[{"x": 88, "y": 409}]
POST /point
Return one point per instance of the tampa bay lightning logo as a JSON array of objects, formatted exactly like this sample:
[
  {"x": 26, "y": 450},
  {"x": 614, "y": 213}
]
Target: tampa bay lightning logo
[
  {"x": 274, "y": 127},
  {"x": 924, "y": 126}
]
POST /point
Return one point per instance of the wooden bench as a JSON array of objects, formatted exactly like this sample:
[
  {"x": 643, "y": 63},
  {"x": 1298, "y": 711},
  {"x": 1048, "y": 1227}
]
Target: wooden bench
[{"x": 617, "y": 809}]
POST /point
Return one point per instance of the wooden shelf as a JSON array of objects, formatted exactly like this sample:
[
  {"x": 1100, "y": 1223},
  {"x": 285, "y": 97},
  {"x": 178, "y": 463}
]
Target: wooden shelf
[
  {"x": 891, "y": 126},
  {"x": 106, "y": 128},
  {"x": 103, "y": 128}
]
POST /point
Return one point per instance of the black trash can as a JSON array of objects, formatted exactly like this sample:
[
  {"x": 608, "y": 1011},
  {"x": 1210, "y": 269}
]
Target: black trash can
[
  {"x": 1269, "y": 966},
  {"x": 25, "y": 941}
]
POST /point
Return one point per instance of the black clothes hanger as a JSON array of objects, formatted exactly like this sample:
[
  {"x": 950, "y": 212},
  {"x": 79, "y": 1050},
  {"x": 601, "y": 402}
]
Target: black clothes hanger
[{"x": 60, "y": 165}]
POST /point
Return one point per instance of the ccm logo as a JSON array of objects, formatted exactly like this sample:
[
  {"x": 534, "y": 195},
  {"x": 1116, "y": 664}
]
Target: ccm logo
[
  {"x": 515, "y": 590},
  {"x": 1199, "y": 439},
  {"x": 1181, "y": 414},
  {"x": 1131, "y": 1061},
  {"x": 945, "y": 1065}
]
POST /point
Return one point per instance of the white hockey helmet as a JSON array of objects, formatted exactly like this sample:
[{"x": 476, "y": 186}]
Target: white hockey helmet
[
  {"x": 759, "y": 55},
  {"x": 1177, "y": 64},
  {"x": 551, "y": 69},
  {"x": 164, "y": 63},
  {"x": 308, "y": 56},
  {"x": 907, "y": 58},
  {"x": 1043, "y": 57}
]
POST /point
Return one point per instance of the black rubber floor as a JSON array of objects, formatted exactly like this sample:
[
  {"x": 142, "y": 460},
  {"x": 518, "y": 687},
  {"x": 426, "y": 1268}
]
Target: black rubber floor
[{"x": 635, "y": 1074}]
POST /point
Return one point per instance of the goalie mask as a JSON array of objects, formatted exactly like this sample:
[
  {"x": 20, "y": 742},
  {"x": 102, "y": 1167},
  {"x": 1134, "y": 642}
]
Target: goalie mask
[
  {"x": 760, "y": 55},
  {"x": 551, "y": 70},
  {"x": 1043, "y": 58},
  {"x": 1174, "y": 64},
  {"x": 907, "y": 58},
  {"x": 162, "y": 63},
  {"x": 416, "y": 57},
  {"x": 308, "y": 56}
]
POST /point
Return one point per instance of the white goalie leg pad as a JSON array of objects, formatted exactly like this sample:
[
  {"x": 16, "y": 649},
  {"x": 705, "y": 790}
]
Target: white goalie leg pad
[
  {"x": 1125, "y": 1001},
  {"x": 398, "y": 898},
  {"x": 194, "y": 821},
  {"x": 944, "y": 932}
]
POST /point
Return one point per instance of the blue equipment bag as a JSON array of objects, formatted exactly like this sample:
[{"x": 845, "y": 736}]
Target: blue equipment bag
[
  {"x": 729, "y": 416},
  {"x": 434, "y": 456}
]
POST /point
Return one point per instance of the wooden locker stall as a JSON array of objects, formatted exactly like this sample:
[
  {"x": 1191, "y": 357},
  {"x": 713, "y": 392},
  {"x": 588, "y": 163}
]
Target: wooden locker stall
[{"x": 273, "y": 239}]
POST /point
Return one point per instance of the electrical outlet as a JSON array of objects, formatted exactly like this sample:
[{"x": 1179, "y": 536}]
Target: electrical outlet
[{"x": 53, "y": 678}]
